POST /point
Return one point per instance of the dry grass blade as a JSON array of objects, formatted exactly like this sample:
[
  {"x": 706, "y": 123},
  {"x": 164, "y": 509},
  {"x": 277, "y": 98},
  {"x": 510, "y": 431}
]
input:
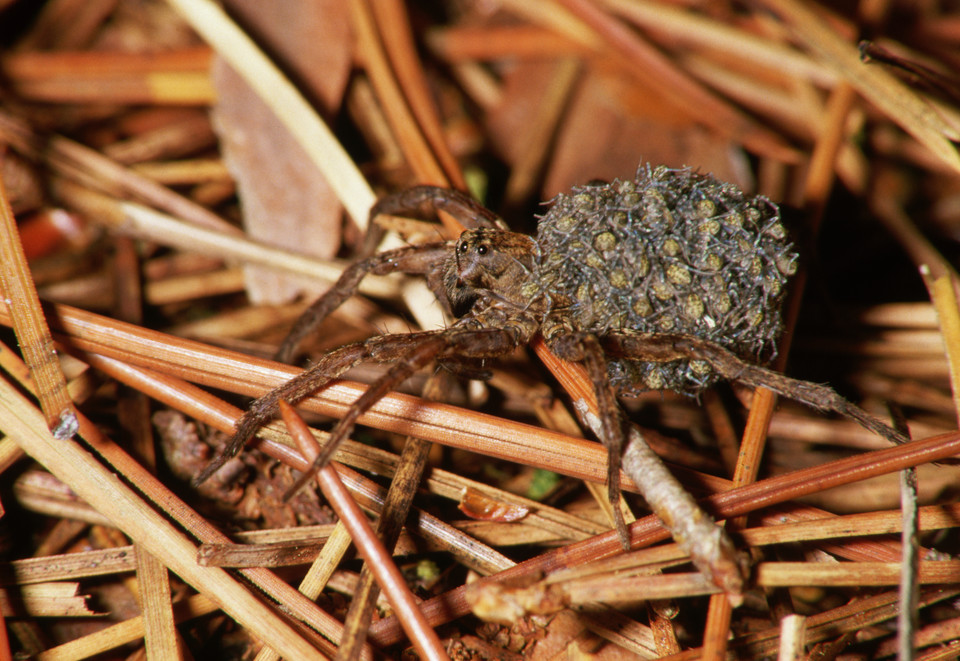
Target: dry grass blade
[
  {"x": 180, "y": 77},
  {"x": 901, "y": 104},
  {"x": 123, "y": 633},
  {"x": 303, "y": 608},
  {"x": 735, "y": 502},
  {"x": 90, "y": 168},
  {"x": 939, "y": 275},
  {"x": 396, "y": 509},
  {"x": 398, "y": 42},
  {"x": 160, "y": 636}
]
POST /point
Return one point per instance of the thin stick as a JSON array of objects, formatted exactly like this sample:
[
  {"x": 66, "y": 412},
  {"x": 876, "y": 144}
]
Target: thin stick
[
  {"x": 398, "y": 41},
  {"x": 792, "y": 628},
  {"x": 160, "y": 636},
  {"x": 421, "y": 634},
  {"x": 122, "y": 633},
  {"x": 88, "y": 167},
  {"x": 146, "y": 223},
  {"x": 161, "y": 77}
]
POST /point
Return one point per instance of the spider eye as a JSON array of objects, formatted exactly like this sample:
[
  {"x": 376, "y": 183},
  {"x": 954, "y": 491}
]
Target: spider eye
[
  {"x": 482, "y": 250},
  {"x": 462, "y": 247}
]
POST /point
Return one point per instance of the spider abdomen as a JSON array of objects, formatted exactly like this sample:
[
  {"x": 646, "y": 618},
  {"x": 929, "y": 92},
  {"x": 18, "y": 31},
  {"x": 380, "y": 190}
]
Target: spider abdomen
[{"x": 673, "y": 251}]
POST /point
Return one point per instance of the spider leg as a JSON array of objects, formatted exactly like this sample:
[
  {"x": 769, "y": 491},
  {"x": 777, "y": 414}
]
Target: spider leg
[
  {"x": 410, "y": 352},
  {"x": 474, "y": 343},
  {"x": 656, "y": 347},
  {"x": 422, "y": 259},
  {"x": 425, "y": 201},
  {"x": 585, "y": 348},
  {"x": 327, "y": 368},
  {"x": 419, "y": 259},
  {"x": 414, "y": 359}
]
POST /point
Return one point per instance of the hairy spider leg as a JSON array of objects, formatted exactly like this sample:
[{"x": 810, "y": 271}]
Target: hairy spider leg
[
  {"x": 412, "y": 351},
  {"x": 427, "y": 347},
  {"x": 327, "y": 368},
  {"x": 665, "y": 347},
  {"x": 415, "y": 260},
  {"x": 566, "y": 343},
  {"x": 426, "y": 201},
  {"x": 422, "y": 259},
  {"x": 417, "y": 357}
]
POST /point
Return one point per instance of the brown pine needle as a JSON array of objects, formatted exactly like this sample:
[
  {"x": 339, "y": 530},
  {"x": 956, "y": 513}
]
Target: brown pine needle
[
  {"x": 30, "y": 325},
  {"x": 391, "y": 581},
  {"x": 95, "y": 484}
]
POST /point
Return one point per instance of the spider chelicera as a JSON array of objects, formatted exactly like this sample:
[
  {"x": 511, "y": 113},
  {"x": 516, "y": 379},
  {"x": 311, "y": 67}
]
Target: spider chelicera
[{"x": 670, "y": 281}]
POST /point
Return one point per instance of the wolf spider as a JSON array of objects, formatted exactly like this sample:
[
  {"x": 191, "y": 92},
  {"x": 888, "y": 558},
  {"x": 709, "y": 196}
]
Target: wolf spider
[{"x": 672, "y": 281}]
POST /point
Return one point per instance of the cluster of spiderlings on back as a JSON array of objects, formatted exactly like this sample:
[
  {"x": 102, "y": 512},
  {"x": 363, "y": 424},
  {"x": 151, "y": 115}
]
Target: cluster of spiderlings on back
[{"x": 674, "y": 251}]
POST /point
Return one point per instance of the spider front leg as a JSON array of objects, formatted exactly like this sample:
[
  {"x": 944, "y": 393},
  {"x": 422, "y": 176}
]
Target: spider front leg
[
  {"x": 409, "y": 352},
  {"x": 327, "y": 368},
  {"x": 425, "y": 258},
  {"x": 475, "y": 343},
  {"x": 657, "y": 347}
]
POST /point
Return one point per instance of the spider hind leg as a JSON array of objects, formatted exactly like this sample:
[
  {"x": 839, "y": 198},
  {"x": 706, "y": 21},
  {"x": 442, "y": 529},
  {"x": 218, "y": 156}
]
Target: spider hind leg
[{"x": 657, "y": 347}]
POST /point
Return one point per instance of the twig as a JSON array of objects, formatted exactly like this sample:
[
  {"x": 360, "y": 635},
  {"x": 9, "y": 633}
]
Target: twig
[
  {"x": 422, "y": 635},
  {"x": 397, "y": 36},
  {"x": 160, "y": 636},
  {"x": 403, "y": 487},
  {"x": 175, "y": 77},
  {"x": 143, "y": 222}
]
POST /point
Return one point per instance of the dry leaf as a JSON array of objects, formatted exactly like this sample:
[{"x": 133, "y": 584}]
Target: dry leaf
[
  {"x": 286, "y": 200},
  {"x": 612, "y": 125}
]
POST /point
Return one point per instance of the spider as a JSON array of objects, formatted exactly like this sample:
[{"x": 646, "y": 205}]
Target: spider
[{"x": 670, "y": 281}]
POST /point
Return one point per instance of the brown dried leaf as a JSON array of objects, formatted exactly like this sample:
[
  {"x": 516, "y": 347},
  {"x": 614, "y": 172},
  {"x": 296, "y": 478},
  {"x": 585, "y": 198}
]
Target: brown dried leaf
[
  {"x": 310, "y": 39},
  {"x": 286, "y": 200},
  {"x": 612, "y": 125},
  {"x": 482, "y": 507}
]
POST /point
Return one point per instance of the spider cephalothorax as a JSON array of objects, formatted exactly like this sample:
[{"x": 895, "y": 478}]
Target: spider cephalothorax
[{"x": 670, "y": 281}]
